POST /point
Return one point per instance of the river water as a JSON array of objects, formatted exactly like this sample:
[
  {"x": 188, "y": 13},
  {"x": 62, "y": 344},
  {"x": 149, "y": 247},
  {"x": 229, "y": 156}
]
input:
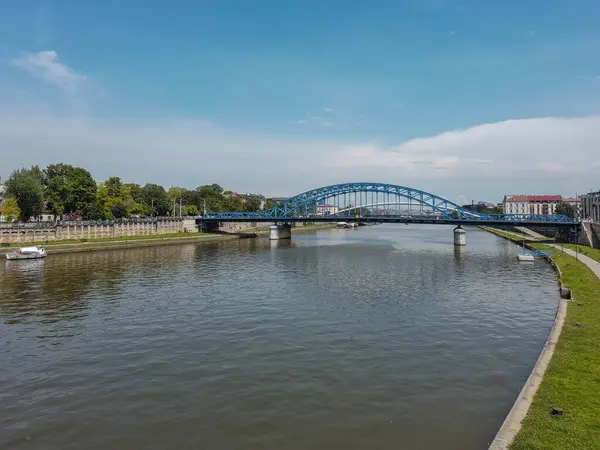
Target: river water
[{"x": 382, "y": 337}]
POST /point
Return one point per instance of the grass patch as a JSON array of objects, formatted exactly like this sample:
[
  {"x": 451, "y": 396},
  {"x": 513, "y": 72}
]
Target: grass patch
[
  {"x": 593, "y": 253},
  {"x": 111, "y": 239},
  {"x": 572, "y": 381},
  {"x": 513, "y": 235}
]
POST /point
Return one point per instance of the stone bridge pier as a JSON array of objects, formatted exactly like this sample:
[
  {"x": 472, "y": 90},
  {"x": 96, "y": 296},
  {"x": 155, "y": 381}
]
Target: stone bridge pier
[
  {"x": 460, "y": 236},
  {"x": 280, "y": 231}
]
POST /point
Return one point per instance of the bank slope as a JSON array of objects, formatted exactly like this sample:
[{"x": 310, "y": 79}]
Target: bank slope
[{"x": 572, "y": 381}]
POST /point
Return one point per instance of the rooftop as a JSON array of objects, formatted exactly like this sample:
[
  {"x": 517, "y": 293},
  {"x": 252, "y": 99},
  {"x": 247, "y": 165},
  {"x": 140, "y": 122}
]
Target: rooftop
[{"x": 534, "y": 198}]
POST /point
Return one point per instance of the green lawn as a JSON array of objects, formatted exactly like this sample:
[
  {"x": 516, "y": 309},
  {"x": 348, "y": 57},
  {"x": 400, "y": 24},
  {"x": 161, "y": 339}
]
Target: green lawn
[
  {"x": 117, "y": 240},
  {"x": 572, "y": 381},
  {"x": 513, "y": 235},
  {"x": 593, "y": 253}
]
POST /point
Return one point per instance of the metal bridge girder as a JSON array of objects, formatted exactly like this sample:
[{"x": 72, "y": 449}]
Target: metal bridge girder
[{"x": 299, "y": 204}]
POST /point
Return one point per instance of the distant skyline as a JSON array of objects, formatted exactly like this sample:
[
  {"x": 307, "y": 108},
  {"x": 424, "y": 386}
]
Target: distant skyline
[{"x": 466, "y": 99}]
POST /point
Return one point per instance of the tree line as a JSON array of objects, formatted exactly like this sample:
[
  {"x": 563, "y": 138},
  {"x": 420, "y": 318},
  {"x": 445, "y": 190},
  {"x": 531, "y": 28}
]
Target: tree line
[{"x": 71, "y": 192}]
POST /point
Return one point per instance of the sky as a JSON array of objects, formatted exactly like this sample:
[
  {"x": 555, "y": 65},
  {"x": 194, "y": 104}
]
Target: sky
[{"x": 466, "y": 99}]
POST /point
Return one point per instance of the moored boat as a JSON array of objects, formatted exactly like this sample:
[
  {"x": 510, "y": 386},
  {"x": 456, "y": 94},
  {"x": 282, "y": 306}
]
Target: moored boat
[
  {"x": 525, "y": 257},
  {"x": 27, "y": 253}
]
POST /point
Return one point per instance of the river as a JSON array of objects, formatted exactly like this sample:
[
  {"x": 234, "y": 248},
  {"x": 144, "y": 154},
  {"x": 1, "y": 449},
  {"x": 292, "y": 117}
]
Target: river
[{"x": 381, "y": 337}]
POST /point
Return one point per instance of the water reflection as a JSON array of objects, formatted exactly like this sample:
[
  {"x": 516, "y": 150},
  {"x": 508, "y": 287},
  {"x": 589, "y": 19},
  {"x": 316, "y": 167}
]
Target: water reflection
[{"x": 346, "y": 339}]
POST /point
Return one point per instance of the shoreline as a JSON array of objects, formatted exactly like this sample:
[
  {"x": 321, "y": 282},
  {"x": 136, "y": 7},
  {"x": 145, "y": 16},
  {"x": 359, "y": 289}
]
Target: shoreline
[
  {"x": 149, "y": 241},
  {"x": 514, "y": 420}
]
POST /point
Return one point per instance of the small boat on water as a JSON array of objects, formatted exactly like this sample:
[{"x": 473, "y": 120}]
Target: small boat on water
[
  {"x": 27, "y": 253},
  {"x": 525, "y": 257}
]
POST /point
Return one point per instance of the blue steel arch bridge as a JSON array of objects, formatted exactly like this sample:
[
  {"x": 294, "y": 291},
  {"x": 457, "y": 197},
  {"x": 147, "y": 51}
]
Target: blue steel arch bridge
[{"x": 379, "y": 203}]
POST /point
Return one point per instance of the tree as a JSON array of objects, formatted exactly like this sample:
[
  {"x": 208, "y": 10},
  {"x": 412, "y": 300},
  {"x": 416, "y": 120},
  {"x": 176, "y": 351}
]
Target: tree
[
  {"x": 93, "y": 211},
  {"x": 25, "y": 186},
  {"x": 56, "y": 192},
  {"x": 83, "y": 189},
  {"x": 252, "y": 204},
  {"x": 134, "y": 191},
  {"x": 270, "y": 203},
  {"x": 191, "y": 210},
  {"x": 68, "y": 189},
  {"x": 156, "y": 198},
  {"x": 114, "y": 186},
  {"x": 119, "y": 210},
  {"x": 566, "y": 209},
  {"x": 10, "y": 209}
]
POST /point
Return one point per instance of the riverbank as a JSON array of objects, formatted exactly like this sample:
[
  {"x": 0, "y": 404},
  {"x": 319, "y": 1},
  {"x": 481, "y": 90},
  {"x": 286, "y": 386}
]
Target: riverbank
[
  {"x": 71, "y": 246},
  {"x": 263, "y": 231},
  {"x": 570, "y": 380}
]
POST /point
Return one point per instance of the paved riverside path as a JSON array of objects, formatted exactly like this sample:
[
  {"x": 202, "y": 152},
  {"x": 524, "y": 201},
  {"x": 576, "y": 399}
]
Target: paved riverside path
[
  {"x": 591, "y": 263},
  {"x": 531, "y": 233}
]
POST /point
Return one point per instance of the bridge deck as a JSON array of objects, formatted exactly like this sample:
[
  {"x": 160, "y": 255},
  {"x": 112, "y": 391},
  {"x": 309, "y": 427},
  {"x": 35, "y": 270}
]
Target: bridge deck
[{"x": 383, "y": 219}]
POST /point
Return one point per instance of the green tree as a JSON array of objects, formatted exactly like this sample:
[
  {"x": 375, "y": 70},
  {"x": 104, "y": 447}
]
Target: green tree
[
  {"x": 68, "y": 189},
  {"x": 270, "y": 203},
  {"x": 25, "y": 186},
  {"x": 252, "y": 204},
  {"x": 134, "y": 191},
  {"x": 93, "y": 211},
  {"x": 83, "y": 189},
  {"x": 10, "y": 209},
  {"x": 566, "y": 209},
  {"x": 191, "y": 210},
  {"x": 156, "y": 198},
  {"x": 56, "y": 192},
  {"x": 114, "y": 186},
  {"x": 119, "y": 210}
]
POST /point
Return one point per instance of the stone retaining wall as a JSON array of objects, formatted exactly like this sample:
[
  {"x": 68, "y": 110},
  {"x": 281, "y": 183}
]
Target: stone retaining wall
[{"x": 86, "y": 230}]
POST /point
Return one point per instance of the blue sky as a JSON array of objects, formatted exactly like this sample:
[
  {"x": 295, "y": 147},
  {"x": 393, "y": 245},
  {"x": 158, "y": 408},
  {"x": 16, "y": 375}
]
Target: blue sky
[{"x": 283, "y": 96}]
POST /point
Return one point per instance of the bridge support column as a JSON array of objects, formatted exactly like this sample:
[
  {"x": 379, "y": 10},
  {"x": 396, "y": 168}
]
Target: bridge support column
[
  {"x": 460, "y": 236},
  {"x": 281, "y": 231}
]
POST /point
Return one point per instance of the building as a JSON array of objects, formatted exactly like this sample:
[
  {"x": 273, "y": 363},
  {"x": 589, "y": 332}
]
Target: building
[
  {"x": 326, "y": 210},
  {"x": 531, "y": 204},
  {"x": 590, "y": 206}
]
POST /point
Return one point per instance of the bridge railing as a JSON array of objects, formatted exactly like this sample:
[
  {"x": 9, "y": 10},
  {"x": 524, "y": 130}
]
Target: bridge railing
[{"x": 511, "y": 218}]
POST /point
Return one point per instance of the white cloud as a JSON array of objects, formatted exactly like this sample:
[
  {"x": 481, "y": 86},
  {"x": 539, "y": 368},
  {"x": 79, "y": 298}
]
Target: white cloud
[
  {"x": 46, "y": 65},
  {"x": 311, "y": 119},
  {"x": 547, "y": 155},
  {"x": 547, "y": 146}
]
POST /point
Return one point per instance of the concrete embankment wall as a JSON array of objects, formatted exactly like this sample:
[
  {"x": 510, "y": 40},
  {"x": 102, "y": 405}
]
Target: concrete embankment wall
[
  {"x": 92, "y": 230},
  {"x": 589, "y": 234}
]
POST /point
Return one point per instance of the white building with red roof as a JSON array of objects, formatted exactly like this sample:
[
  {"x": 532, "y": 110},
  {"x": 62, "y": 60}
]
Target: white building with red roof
[{"x": 531, "y": 204}]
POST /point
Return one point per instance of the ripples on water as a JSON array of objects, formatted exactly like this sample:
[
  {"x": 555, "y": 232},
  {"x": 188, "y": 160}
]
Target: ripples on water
[{"x": 383, "y": 337}]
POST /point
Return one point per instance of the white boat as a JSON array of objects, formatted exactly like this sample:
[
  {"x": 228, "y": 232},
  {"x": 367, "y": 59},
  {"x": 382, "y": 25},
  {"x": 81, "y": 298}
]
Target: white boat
[
  {"x": 525, "y": 257},
  {"x": 342, "y": 225},
  {"x": 27, "y": 253}
]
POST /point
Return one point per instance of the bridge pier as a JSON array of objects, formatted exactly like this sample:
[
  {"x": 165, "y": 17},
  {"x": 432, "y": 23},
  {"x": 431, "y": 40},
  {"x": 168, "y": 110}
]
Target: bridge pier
[
  {"x": 460, "y": 236},
  {"x": 281, "y": 231}
]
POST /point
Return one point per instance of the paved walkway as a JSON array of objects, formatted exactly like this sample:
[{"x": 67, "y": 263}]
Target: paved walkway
[
  {"x": 592, "y": 264},
  {"x": 530, "y": 233}
]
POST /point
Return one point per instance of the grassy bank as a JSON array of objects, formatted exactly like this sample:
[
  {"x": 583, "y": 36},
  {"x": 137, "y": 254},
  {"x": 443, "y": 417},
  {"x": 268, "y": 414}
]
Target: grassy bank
[
  {"x": 295, "y": 230},
  {"x": 122, "y": 242},
  {"x": 572, "y": 381},
  {"x": 593, "y": 253},
  {"x": 107, "y": 239},
  {"x": 511, "y": 236}
]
